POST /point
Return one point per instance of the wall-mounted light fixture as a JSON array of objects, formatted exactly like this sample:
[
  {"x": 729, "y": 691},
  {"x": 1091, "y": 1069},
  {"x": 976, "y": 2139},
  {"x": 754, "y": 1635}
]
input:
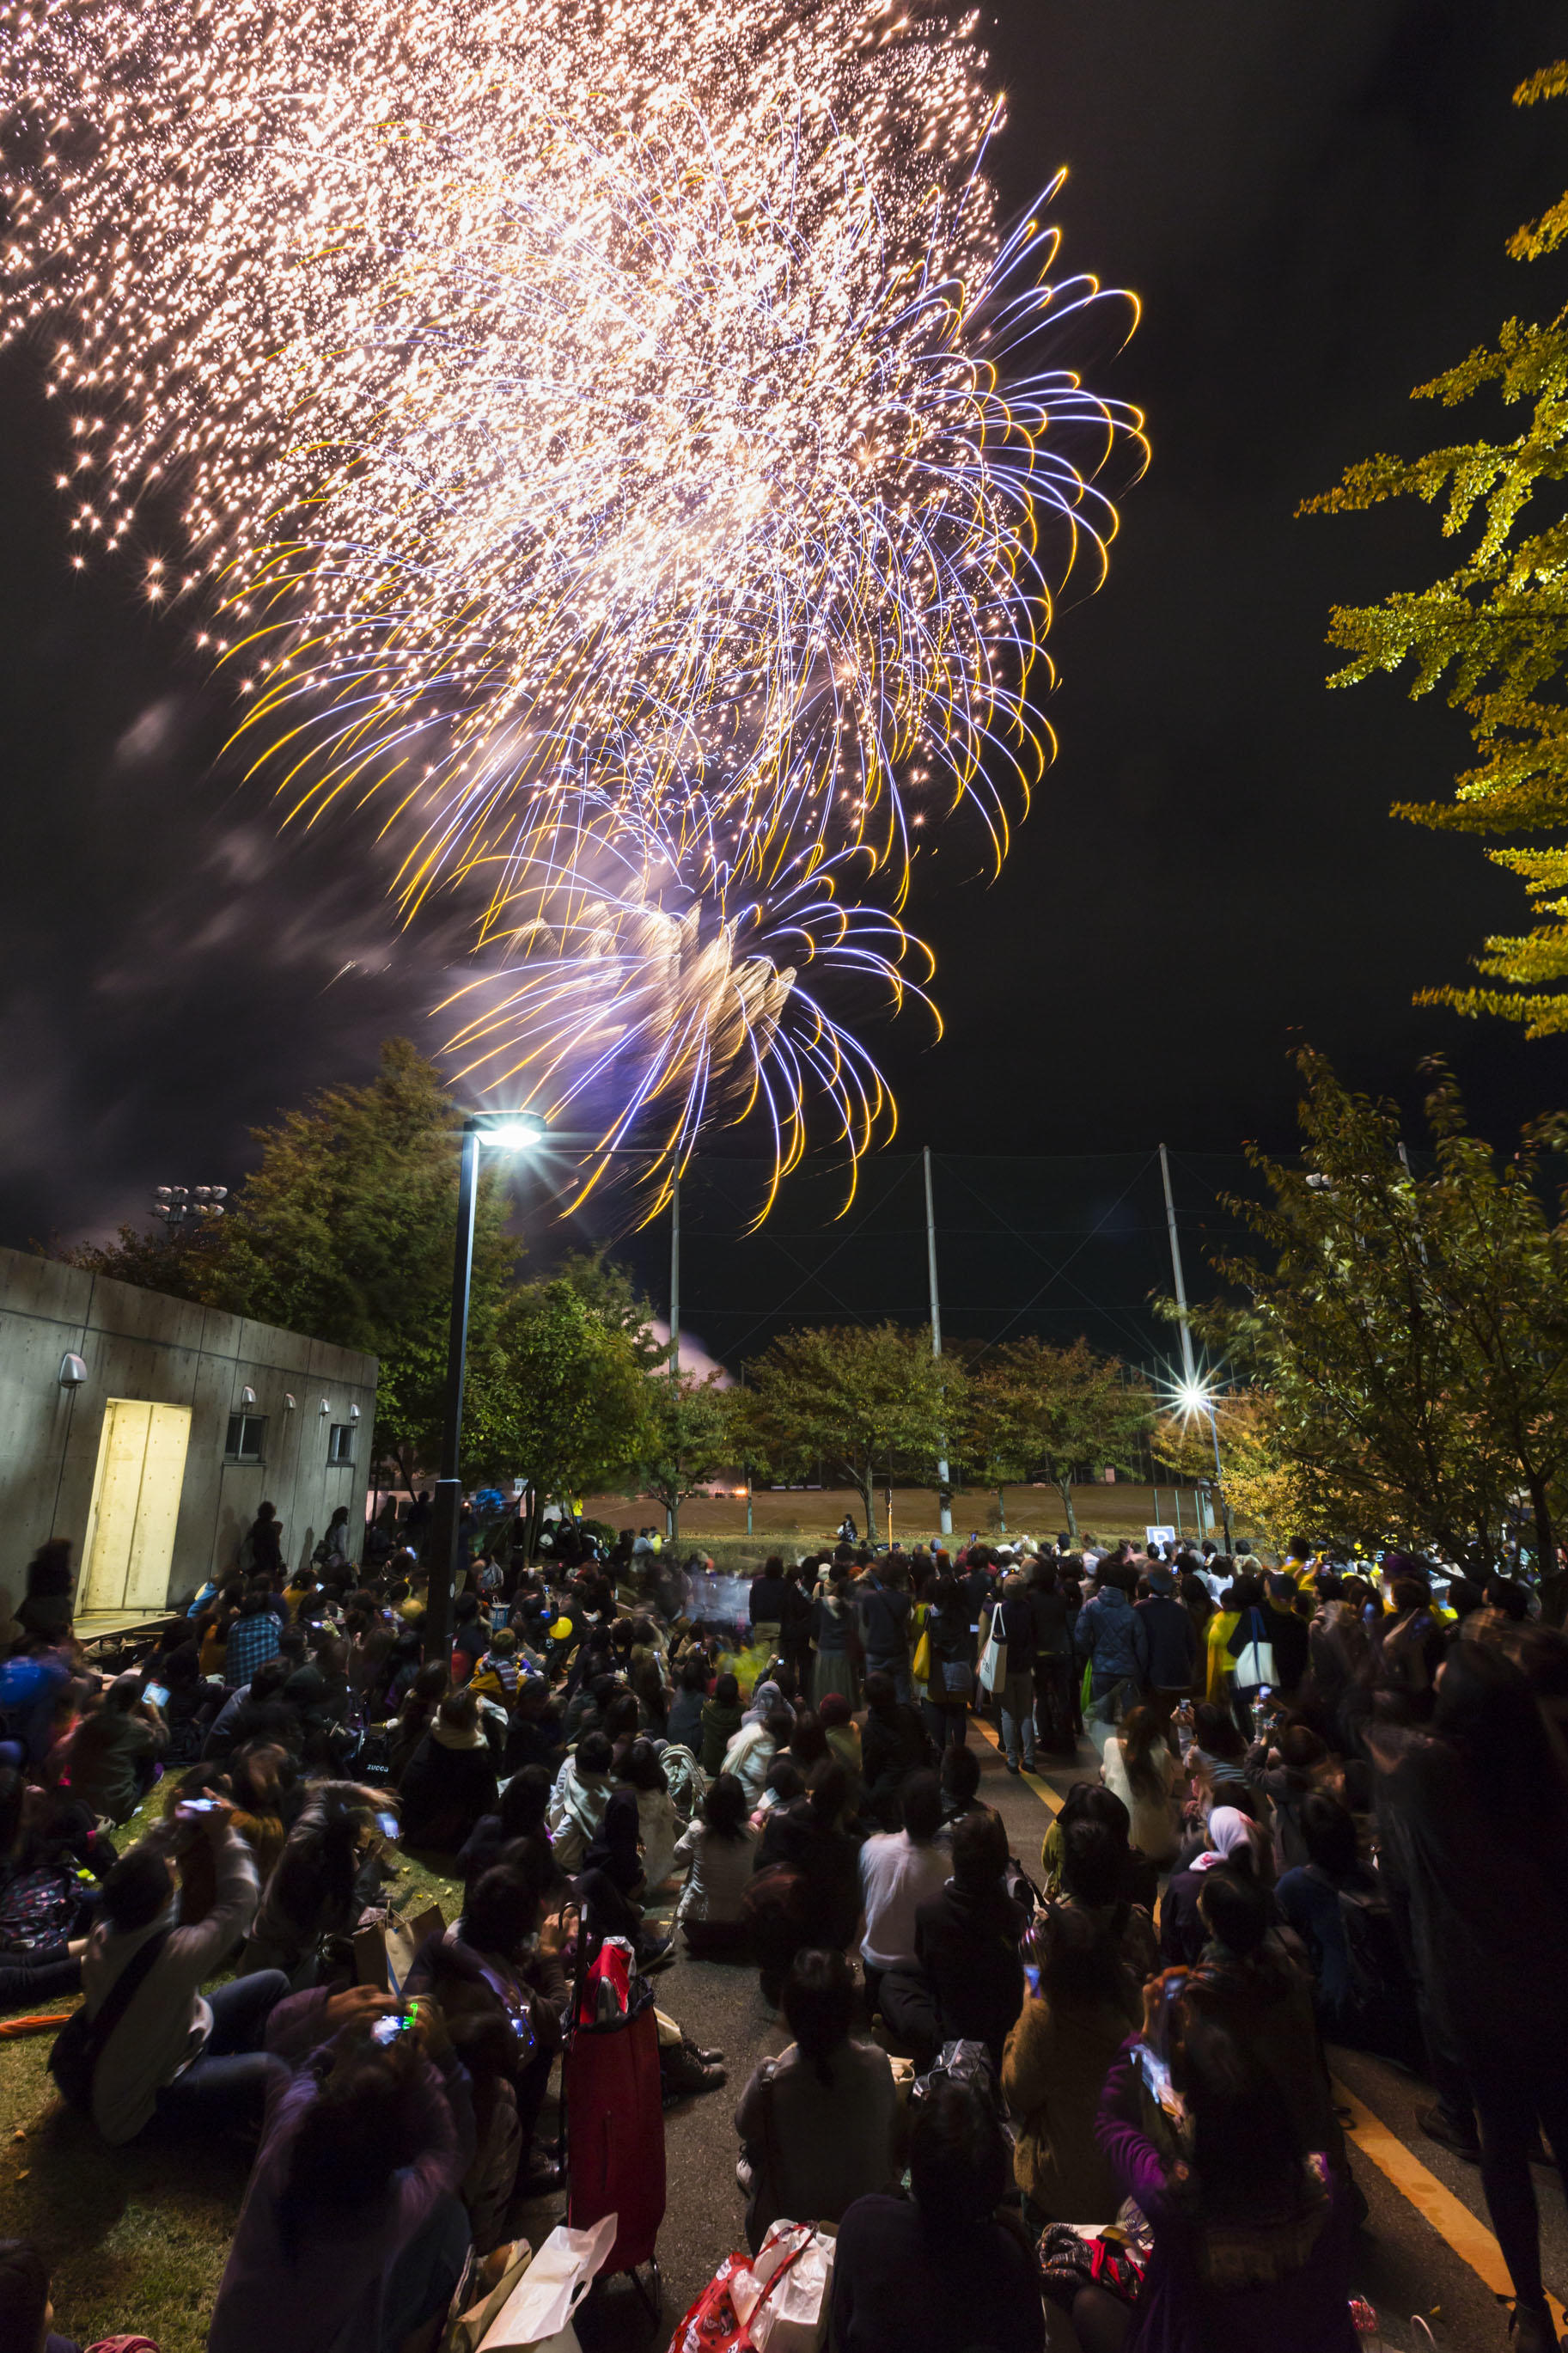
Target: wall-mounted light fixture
[
  {"x": 325, "y": 1407},
  {"x": 354, "y": 1413},
  {"x": 288, "y": 1401},
  {"x": 248, "y": 1398},
  {"x": 73, "y": 1372}
]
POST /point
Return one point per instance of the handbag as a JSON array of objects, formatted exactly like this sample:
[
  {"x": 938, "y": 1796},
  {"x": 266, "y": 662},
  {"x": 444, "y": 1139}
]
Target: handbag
[
  {"x": 993, "y": 1657},
  {"x": 1254, "y": 1660},
  {"x": 919, "y": 1665},
  {"x": 82, "y": 2040}
]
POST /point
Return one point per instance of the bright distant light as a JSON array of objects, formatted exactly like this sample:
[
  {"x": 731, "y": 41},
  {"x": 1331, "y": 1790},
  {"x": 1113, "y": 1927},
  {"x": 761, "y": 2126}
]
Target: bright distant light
[
  {"x": 1192, "y": 1397},
  {"x": 512, "y": 1134}
]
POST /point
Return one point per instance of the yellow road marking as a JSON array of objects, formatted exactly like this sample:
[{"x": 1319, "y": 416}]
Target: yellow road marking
[
  {"x": 1042, "y": 1789},
  {"x": 1449, "y": 2216}
]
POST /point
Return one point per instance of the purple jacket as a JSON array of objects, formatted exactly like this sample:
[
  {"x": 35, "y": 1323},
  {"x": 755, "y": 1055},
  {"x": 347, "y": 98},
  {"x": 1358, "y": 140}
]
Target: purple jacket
[
  {"x": 332, "y": 2290},
  {"x": 1309, "y": 2309}
]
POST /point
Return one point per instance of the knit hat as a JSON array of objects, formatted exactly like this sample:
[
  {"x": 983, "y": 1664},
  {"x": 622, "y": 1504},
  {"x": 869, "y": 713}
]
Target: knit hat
[
  {"x": 834, "y": 1711},
  {"x": 1161, "y": 1580}
]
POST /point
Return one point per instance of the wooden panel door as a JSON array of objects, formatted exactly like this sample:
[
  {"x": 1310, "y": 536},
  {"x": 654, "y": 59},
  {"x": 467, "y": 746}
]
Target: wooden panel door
[{"x": 158, "y": 1507}]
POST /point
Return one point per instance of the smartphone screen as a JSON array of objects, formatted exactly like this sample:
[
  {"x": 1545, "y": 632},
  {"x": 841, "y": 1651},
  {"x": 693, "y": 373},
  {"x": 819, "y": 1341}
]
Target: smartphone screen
[
  {"x": 388, "y": 2029},
  {"x": 388, "y": 1825},
  {"x": 156, "y": 1692},
  {"x": 198, "y": 1805}
]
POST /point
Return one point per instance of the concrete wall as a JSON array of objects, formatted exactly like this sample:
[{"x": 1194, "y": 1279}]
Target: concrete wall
[{"x": 138, "y": 1344}]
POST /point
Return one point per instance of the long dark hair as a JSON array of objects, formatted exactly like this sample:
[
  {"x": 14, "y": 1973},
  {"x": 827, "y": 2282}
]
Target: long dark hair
[
  {"x": 1141, "y": 1734},
  {"x": 818, "y": 2004}
]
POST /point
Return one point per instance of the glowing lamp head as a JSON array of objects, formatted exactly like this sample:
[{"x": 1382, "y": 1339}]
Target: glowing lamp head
[
  {"x": 512, "y": 1131},
  {"x": 1193, "y": 1397}
]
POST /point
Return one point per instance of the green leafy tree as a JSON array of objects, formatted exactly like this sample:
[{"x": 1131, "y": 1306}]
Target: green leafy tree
[
  {"x": 606, "y": 1287},
  {"x": 1411, "y": 1328},
  {"x": 345, "y": 1230},
  {"x": 860, "y": 1399},
  {"x": 690, "y": 1436},
  {"x": 1034, "y": 1410},
  {"x": 1494, "y": 629},
  {"x": 557, "y": 1395},
  {"x": 1261, "y": 1491}
]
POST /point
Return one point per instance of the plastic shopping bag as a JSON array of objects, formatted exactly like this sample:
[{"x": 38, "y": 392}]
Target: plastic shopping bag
[{"x": 539, "y": 2310}]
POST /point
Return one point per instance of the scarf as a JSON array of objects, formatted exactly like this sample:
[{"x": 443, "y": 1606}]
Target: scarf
[{"x": 1230, "y": 1831}]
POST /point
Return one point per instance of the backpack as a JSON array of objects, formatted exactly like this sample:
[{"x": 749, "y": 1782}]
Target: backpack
[
  {"x": 36, "y": 1911},
  {"x": 82, "y": 2040}
]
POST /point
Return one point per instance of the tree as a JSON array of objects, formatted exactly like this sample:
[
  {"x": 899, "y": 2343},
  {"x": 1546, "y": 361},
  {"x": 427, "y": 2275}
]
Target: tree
[
  {"x": 1412, "y": 1328},
  {"x": 557, "y": 1395},
  {"x": 856, "y": 1399},
  {"x": 1035, "y": 1409},
  {"x": 1261, "y": 1490},
  {"x": 1495, "y": 629},
  {"x": 689, "y": 1436},
  {"x": 610, "y": 1292},
  {"x": 345, "y": 1230}
]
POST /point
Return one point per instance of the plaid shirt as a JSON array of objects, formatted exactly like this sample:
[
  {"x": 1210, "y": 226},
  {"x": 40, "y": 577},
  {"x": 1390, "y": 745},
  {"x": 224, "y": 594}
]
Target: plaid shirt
[{"x": 250, "y": 1641}]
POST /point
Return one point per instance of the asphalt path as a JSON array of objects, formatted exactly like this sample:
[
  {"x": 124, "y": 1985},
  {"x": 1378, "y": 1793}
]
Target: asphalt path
[{"x": 1425, "y": 2259}]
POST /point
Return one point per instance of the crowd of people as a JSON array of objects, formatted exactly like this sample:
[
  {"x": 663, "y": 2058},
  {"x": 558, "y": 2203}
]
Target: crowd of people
[{"x": 1331, "y": 1806}]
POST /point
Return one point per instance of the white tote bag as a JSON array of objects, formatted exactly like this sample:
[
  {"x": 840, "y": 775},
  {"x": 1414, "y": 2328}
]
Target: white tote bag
[
  {"x": 993, "y": 1657},
  {"x": 1254, "y": 1660}
]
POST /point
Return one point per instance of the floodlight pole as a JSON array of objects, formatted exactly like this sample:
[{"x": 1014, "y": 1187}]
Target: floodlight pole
[
  {"x": 944, "y": 1499},
  {"x": 1188, "y": 1367},
  {"x": 447, "y": 1503}
]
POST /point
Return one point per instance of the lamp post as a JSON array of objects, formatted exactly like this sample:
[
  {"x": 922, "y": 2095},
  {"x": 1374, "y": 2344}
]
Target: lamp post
[
  {"x": 503, "y": 1132},
  {"x": 1197, "y": 1397}
]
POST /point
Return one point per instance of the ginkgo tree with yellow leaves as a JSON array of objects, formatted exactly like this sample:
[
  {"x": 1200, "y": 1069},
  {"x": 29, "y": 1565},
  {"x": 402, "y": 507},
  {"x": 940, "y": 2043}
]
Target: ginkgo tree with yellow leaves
[{"x": 1493, "y": 631}]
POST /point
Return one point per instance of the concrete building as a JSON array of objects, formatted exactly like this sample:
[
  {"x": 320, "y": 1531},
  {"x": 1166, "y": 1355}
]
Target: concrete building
[{"x": 147, "y": 1432}]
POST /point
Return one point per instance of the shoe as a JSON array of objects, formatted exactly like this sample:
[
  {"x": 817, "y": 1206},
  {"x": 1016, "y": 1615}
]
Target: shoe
[
  {"x": 542, "y": 2180},
  {"x": 1029, "y": 1764},
  {"x": 710, "y": 2058},
  {"x": 657, "y": 1956},
  {"x": 1010, "y": 1767},
  {"x": 685, "y": 2070},
  {"x": 1441, "y": 2127}
]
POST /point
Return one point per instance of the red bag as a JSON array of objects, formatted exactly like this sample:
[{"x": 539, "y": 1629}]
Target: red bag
[
  {"x": 712, "y": 2325},
  {"x": 607, "y": 1984},
  {"x": 615, "y": 2134}
]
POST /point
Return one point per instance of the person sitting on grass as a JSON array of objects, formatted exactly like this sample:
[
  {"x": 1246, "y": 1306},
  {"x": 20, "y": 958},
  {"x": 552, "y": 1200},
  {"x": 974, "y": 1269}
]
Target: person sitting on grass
[
  {"x": 352, "y": 2233},
  {"x": 193, "y": 2064}
]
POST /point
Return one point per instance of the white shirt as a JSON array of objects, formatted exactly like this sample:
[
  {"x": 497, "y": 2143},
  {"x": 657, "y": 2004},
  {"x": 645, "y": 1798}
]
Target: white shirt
[{"x": 897, "y": 1874}]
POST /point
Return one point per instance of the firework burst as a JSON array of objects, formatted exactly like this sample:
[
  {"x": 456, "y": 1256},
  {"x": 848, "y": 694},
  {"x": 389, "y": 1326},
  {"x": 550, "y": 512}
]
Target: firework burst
[{"x": 607, "y": 439}]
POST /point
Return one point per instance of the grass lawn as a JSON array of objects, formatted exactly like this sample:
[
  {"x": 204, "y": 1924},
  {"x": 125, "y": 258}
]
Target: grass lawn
[{"x": 135, "y": 2238}]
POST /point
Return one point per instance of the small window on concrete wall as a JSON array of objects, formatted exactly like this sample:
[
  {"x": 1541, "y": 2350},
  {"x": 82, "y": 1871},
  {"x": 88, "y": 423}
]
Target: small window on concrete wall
[
  {"x": 246, "y": 1434},
  {"x": 341, "y": 1445}
]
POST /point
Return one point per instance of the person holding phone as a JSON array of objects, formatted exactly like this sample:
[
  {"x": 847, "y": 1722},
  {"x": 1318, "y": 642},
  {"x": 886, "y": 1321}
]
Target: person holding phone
[
  {"x": 352, "y": 2232},
  {"x": 195, "y": 2063}
]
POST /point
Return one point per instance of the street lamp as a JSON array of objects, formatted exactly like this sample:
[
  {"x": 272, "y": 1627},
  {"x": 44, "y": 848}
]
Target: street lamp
[
  {"x": 503, "y": 1131},
  {"x": 1192, "y": 1397}
]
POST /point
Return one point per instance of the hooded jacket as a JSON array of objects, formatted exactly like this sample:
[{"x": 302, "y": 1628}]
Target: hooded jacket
[{"x": 576, "y": 1813}]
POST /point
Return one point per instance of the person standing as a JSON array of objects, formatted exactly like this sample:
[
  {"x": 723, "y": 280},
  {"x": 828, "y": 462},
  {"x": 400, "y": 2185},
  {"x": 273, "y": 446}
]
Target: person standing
[
  {"x": 1113, "y": 1639},
  {"x": 884, "y": 1613},
  {"x": 1012, "y": 1620},
  {"x": 1172, "y": 1641},
  {"x": 1054, "y": 1712}
]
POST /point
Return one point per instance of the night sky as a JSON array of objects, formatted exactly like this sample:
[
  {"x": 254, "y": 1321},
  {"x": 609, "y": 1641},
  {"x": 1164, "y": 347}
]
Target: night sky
[{"x": 1312, "y": 204}]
